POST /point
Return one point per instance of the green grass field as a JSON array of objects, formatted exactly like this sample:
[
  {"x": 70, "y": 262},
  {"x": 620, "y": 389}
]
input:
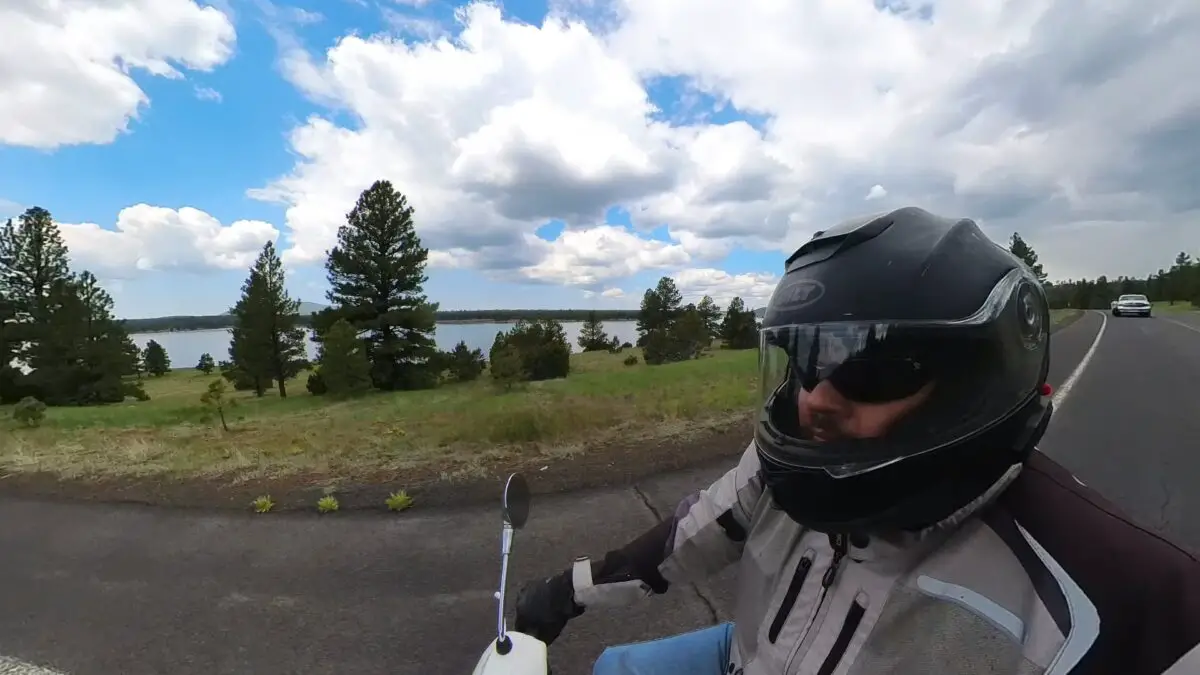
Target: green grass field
[
  {"x": 1168, "y": 308},
  {"x": 602, "y": 400}
]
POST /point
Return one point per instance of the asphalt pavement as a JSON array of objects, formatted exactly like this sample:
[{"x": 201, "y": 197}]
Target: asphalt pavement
[{"x": 125, "y": 590}]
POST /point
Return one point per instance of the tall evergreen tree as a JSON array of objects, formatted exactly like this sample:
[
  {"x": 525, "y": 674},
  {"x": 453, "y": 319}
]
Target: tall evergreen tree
[
  {"x": 661, "y": 307},
  {"x": 266, "y": 342},
  {"x": 739, "y": 329},
  {"x": 1020, "y": 248},
  {"x": 711, "y": 314},
  {"x": 376, "y": 274},
  {"x": 592, "y": 337},
  {"x": 33, "y": 258},
  {"x": 10, "y": 376},
  {"x": 63, "y": 326},
  {"x": 156, "y": 359}
]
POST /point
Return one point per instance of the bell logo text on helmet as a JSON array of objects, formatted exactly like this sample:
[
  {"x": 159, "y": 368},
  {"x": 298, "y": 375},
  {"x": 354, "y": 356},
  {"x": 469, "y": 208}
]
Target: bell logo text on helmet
[{"x": 798, "y": 293}]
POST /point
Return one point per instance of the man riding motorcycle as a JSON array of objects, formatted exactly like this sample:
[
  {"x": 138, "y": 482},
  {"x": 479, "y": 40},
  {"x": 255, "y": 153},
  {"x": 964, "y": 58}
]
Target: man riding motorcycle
[{"x": 892, "y": 514}]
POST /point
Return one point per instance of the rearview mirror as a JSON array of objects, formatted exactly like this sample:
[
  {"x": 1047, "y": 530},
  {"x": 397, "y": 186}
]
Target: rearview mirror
[{"x": 516, "y": 501}]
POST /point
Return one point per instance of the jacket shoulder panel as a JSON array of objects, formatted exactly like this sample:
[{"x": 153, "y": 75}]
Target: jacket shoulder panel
[{"x": 1145, "y": 589}]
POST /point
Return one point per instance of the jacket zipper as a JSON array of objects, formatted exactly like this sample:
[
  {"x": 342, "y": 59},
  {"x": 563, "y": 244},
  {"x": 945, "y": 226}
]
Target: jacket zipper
[
  {"x": 789, "y": 598},
  {"x": 839, "y": 543},
  {"x": 849, "y": 626}
]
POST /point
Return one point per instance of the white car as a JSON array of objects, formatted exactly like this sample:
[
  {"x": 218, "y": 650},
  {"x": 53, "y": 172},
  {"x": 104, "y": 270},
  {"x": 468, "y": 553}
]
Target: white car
[{"x": 1131, "y": 305}]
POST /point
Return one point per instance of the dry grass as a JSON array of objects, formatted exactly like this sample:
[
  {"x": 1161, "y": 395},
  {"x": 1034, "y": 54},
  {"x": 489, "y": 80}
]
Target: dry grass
[
  {"x": 455, "y": 429},
  {"x": 601, "y": 399}
]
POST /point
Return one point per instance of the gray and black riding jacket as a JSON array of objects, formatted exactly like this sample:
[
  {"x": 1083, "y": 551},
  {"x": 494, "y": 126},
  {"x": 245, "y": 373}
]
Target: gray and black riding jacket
[{"x": 1040, "y": 575}]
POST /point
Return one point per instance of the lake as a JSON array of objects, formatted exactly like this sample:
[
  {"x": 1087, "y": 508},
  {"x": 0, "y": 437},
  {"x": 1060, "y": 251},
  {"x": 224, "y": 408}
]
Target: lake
[{"x": 185, "y": 347}]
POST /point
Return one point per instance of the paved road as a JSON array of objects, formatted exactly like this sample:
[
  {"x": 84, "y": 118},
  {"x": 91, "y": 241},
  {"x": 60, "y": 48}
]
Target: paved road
[{"x": 132, "y": 591}]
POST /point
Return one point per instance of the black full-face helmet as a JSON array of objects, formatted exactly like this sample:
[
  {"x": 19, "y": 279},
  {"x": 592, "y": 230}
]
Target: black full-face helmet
[{"x": 903, "y": 361}]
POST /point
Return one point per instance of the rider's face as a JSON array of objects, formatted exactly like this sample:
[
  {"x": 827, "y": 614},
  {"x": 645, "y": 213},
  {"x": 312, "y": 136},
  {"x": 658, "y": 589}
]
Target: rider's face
[{"x": 829, "y": 415}]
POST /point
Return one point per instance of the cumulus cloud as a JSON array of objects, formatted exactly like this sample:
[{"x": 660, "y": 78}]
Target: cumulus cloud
[
  {"x": 595, "y": 255},
  {"x": 66, "y": 65},
  {"x": 981, "y": 110},
  {"x": 753, "y": 288},
  {"x": 491, "y": 127},
  {"x": 147, "y": 238}
]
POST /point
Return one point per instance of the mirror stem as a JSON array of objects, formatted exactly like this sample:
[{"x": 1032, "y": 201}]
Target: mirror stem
[{"x": 506, "y": 537}]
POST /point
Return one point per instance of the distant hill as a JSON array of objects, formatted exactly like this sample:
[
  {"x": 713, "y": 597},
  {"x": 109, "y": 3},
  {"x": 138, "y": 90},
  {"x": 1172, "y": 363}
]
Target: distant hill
[{"x": 307, "y": 308}]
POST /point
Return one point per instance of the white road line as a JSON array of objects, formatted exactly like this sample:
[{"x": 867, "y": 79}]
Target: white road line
[
  {"x": 1065, "y": 390},
  {"x": 11, "y": 666},
  {"x": 1181, "y": 324}
]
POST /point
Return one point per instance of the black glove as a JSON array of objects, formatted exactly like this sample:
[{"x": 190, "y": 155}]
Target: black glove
[{"x": 545, "y": 606}]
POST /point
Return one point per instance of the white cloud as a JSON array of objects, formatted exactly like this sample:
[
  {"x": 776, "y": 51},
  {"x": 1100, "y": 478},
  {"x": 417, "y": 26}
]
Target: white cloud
[
  {"x": 613, "y": 293},
  {"x": 602, "y": 253},
  {"x": 973, "y": 109},
  {"x": 753, "y": 288},
  {"x": 979, "y": 111},
  {"x": 66, "y": 65},
  {"x": 976, "y": 109},
  {"x": 208, "y": 94},
  {"x": 149, "y": 238}
]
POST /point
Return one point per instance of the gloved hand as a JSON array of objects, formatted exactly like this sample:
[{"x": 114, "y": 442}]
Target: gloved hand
[{"x": 545, "y": 606}]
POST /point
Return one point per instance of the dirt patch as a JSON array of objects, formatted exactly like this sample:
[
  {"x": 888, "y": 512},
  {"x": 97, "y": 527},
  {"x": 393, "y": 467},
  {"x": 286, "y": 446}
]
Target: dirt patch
[{"x": 585, "y": 468}]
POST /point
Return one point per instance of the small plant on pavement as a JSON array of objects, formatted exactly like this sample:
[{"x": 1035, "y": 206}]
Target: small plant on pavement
[
  {"x": 263, "y": 504},
  {"x": 399, "y": 501},
  {"x": 29, "y": 412},
  {"x": 327, "y": 504},
  {"x": 215, "y": 401}
]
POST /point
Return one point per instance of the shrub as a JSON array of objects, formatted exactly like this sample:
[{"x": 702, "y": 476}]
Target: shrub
[
  {"x": 399, "y": 501},
  {"x": 315, "y": 384},
  {"x": 506, "y": 367},
  {"x": 327, "y": 504},
  {"x": 29, "y": 412},
  {"x": 631, "y": 360},
  {"x": 542, "y": 345},
  {"x": 465, "y": 364}
]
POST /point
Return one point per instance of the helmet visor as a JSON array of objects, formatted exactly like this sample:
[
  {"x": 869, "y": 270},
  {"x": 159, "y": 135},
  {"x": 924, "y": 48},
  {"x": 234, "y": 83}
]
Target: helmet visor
[{"x": 850, "y": 397}]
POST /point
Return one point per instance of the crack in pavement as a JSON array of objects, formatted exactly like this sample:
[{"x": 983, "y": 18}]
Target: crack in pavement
[
  {"x": 1166, "y": 502},
  {"x": 704, "y": 599}
]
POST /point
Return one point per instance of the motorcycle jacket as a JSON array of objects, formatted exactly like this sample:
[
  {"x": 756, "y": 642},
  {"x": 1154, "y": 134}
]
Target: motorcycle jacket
[{"x": 1037, "y": 576}]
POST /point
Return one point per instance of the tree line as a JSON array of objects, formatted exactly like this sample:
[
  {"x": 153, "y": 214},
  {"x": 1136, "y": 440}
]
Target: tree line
[
  {"x": 219, "y": 321},
  {"x": 60, "y": 345},
  {"x": 1179, "y": 283}
]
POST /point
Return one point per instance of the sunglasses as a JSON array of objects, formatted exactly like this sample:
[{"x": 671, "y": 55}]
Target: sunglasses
[{"x": 870, "y": 380}]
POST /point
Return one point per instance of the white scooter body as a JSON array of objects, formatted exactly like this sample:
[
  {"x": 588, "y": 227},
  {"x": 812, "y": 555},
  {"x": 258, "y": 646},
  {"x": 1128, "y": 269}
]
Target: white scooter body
[
  {"x": 512, "y": 653},
  {"x": 526, "y": 657}
]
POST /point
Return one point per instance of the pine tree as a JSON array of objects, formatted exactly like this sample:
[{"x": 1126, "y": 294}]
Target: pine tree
[
  {"x": 592, "y": 337},
  {"x": 739, "y": 329},
  {"x": 33, "y": 258},
  {"x": 108, "y": 357},
  {"x": 77, "y": 351},
  {"x": 711, "y": 314},
  {"x": 156, "y": 359},
  {"x": 376, "y": 274},
  {"x": 344, "y": 368},
  {"x": 1018, "y": 247},
  {"x": 266, "y": 342},
  {"x": 660, "y": 308},
  {"x": 11, "y": 379}
]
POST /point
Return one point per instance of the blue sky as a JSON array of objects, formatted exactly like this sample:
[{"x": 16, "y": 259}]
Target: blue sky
[
  {"x": 741, "y": 156},
  {"x": 186, "y": 150}
]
